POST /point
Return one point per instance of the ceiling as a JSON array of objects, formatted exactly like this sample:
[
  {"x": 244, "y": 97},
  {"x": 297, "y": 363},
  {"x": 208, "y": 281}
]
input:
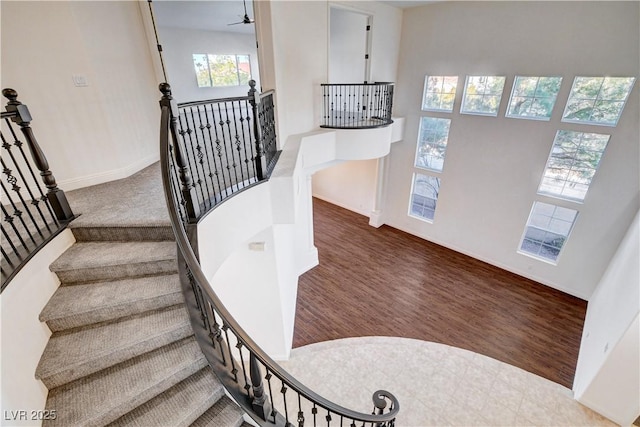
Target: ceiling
[
  {"x": 215, "y": 15},
  {"x": 203, "y": 15}
]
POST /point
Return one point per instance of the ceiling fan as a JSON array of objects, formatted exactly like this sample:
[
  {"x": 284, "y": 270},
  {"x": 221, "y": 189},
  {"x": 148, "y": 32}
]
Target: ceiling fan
[{"x": 245, "y": 19}]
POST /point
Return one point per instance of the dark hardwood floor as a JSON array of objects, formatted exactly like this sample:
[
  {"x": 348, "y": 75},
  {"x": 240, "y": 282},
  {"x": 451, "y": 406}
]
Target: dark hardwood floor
[{"x": 384, "y": 282}]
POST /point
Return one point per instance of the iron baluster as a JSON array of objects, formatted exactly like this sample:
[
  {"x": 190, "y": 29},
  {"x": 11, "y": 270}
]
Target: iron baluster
[
  {"x": 234, "y": 370},
  {"x": 188, "y": 192},
  {"x": 261, "y": 404},
  {"x": 56, "y": 197},
  {"x": 254, "y": 100},
  {"x": 247, "y": 386},
  {"x": 211, "y": 156},
  {"x": 273, "y": 409}
]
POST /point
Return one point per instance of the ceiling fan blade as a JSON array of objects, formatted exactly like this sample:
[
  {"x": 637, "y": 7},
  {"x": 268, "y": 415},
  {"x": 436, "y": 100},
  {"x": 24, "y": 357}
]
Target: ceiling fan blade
[{"x": 236, "y": 23}]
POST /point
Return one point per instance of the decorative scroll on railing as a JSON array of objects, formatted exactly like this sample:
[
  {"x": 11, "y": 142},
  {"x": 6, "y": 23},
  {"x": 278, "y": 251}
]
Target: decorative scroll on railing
[
  {"x": 228, "y": 144},
  {"x": 266, "y": 392},
  {"x": 356, "y": 106},
  {"x": 30, "y": 217}
]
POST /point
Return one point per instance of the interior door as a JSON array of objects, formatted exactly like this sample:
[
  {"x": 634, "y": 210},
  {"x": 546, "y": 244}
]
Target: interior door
[{"x": 348, "y": 46}]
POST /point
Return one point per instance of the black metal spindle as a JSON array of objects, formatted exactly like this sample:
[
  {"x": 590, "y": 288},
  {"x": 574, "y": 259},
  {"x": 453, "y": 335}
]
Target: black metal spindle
[
  {"x": 283, "y": 392},
  {"x": 254, "y": 100},
  {"x": 234, "y": 370},
  {"x": 357, "y": 106},
  {"x": 268, "y": 377},
  {"x": 55, "y": 196},
  {"x": 214, "y": 173},
  {"x": 189, "y": 142},
  {"x": 192, "y": 208},
  {"x": 260, "y": 404},
  {"x": 208, "y": 174}
]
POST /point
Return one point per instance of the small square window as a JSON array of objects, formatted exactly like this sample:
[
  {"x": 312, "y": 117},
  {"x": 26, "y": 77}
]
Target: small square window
[
  {"x": 533, "y": 97},
  {"x": 482, "y": 95},
  {"x": 439, "y": 93},
  {"x": 597, "y": 100},
  {"x": 572, "y": 164},
  {"x": 547, "y": 230},
  {"x": 432, "y": 143},
  {"x": 424, "y": 196}
]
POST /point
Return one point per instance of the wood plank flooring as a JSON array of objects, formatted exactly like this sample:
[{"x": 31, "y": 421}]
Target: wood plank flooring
[{"x": 384, "y": 282}]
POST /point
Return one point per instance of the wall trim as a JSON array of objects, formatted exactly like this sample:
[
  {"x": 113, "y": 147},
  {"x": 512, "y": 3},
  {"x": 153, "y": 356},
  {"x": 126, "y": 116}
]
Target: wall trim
[
  {"x": 106, "y": 176},
  {"x": 494, "y": 263},
  {"x": 362, "y": 212}
]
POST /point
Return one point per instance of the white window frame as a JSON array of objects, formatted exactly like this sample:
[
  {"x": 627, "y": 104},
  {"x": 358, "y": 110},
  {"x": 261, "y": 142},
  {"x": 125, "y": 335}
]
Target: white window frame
[
  {"x": 533, "y": 97},
  {"x": 211, "y": 85},
  {"x": 418, "y": 145},
  {"x": 595, "y": 100},
  {"x": 413, "y": 183},
  {"x": 573, "y": 160},
  {"x": 424, "y": 94},
  {"x": 566, "y": 237},
  {"x": 476, "y": 113}
]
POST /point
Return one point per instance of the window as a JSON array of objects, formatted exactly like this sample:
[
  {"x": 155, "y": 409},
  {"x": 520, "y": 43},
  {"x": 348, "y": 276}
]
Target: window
[
  {"x": 573, "y": 162},
  {"x": 547, "y": 230},
  {"x": 533, "y": 97},
  {"x": 424, "y": 196},
  {"x": 432, "y": 143},
  {"x": 597, "y": 100},
  {"x": 439, "y": 93},
  {"x": 482, "y": 95},
  {"x": 222, "y": 70}
]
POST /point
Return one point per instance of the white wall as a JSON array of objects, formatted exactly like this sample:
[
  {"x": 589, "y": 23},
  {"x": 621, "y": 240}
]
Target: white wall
[
  {"x": 178, "y": 46},
  {"x": 493, "y": 165},
  {"x": 608, "y": 372},
  {"x": 352, "y": 185},
  {"x": 106, "y": 130},
  {"x": 263, "y": 298},
  {"x": 24, "y": 337}
]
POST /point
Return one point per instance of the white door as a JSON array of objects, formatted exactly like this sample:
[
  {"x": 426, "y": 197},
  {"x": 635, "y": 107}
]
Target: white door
[{"x": 348, "y": 46}]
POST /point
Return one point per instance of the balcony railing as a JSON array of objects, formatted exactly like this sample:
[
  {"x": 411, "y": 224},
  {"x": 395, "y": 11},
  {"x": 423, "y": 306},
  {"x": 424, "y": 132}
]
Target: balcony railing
[
  {"x": 356, "y": 106},
  {"x": 265, "y": 391},
  {"x": 31, "y": 217}
]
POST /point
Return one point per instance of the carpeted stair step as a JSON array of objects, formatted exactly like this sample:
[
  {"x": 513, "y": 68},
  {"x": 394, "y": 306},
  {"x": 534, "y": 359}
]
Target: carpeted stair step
[
  {"x": 99, "y": 261},
  {"x": 81, "y": 305},
  {"x": 128, "y": 233},
  {"x": 179, "y": 406},
  {"x": 107, "y": 395},
  {"x": 78, "y": 353},
  {"x": 225, "y": 413}
]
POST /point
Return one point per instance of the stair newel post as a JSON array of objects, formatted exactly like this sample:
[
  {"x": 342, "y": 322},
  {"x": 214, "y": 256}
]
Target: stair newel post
[
  {"x": 254, "y": 100},
  {"x": 261, "y": 405},
  {"x": 188, "y": 190},
  {"x": 56, "y": 197}
]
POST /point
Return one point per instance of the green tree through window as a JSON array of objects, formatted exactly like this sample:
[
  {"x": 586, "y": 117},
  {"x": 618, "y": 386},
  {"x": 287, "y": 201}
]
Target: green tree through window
[{"x": 222, "y": 70}]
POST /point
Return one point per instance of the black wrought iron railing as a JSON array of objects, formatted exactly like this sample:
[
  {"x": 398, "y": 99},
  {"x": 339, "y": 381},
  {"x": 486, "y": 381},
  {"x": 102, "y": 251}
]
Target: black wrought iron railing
[
  {"x": 265, "y": 391},
  {"x": 228, "y": 144},
  {"x": 356, "y": 106},
  {"x": 30, "y": 217}
]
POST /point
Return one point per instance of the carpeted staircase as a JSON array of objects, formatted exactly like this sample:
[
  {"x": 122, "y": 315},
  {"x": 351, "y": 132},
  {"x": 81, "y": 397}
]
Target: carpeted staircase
[{"x": 122, "y": 350}]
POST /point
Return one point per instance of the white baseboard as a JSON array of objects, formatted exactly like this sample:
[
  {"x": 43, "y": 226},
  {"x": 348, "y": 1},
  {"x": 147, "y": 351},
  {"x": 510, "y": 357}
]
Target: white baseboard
[
  {"x": 376, "y": 219},
  {"x": 106, "y": 176},
  {"x": 342, "y": 205}
]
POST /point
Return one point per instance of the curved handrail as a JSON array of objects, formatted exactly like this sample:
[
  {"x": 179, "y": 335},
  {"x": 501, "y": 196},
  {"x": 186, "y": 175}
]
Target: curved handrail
[{"x": 198, "y": 276}]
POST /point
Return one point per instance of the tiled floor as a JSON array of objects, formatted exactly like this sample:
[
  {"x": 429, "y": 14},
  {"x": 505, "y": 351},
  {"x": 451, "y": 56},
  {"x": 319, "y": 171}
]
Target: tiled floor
[{"x": 437, "y": 385}]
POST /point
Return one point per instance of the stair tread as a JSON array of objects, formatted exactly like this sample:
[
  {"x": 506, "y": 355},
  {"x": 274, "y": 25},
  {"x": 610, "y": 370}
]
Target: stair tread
[
  {"x": 107, "y": 395},
  {"x": 102, "y": 233},
  {"x": 225, "y": 413},
  {"x": 102, "y": 301},
  {"x": 102, "y": 254},
  {"x": 178, "y": 406},
  {"x": 73, "y": 355}
]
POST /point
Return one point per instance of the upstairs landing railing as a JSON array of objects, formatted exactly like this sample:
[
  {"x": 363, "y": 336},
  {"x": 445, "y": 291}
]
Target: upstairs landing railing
[
  {"x": 356, "y": 106},
  {"x": 30, "y": 217},
  {"x": 264, "y": 390}
]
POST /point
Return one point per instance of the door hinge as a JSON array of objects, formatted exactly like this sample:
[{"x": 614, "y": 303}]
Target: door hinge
[
  {"x": 366, "y": 56},
  {"x": 368, "y": 27}
]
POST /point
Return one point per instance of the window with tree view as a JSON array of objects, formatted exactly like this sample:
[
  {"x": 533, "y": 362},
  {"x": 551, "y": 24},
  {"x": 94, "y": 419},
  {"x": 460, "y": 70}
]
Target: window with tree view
[
  {"x": 439, "y": 93},
  {"x": 424, "y": 196},
  {"x": 597, "y": 100},
  {"x": 572, "y": 164},
  {"x": 533, "y": 97},
  {"x": 482, "y": 95},
  {"x": 222, "y": 70},
  {"x": 432, "y": 143},
  {"x": 547, "y": 231}
]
